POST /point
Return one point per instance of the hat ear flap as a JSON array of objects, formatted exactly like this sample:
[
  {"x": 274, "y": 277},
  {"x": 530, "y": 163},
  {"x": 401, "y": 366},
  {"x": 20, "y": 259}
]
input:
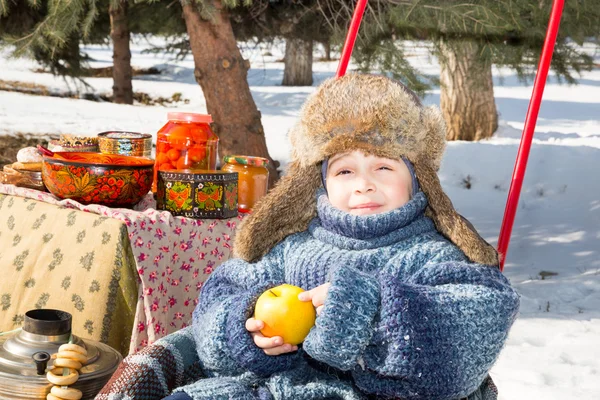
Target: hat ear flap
[
  {"x": 435, "y": 139},
  {"x": 287, "y": 208},
  {"x": 451, "y": 224}
]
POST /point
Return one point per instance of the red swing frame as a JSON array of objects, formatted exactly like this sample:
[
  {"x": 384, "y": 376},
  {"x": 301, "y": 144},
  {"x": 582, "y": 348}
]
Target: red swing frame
[{"x": 530, "y": 119}]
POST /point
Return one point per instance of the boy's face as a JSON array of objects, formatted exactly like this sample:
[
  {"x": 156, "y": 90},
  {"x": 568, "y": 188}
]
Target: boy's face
[{"x": 363, "y": 184}]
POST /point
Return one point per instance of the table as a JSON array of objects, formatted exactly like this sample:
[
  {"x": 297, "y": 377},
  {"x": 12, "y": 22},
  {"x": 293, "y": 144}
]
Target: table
[
  {"x": 170, "y": 257},
  {"x": 55, "y": 257}
]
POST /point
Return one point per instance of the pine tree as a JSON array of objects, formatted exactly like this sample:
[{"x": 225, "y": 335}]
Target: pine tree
[
  {"x": 468, "y": 38},
  {"x": 47, "y": 32},
  {"x": 221, "y": 71},
  {"x": 219, "y": 67},
  {"x": 119, "y": 33},
  {"x": 300, "y": 23}
]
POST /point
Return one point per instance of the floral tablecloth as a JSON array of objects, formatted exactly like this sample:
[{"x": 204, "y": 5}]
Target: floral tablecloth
[{"x": 173, "y": 255}]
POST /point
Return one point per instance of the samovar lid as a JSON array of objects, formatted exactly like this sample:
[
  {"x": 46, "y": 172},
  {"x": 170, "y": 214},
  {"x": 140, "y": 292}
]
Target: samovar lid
[{"x": 47, "y": 322}]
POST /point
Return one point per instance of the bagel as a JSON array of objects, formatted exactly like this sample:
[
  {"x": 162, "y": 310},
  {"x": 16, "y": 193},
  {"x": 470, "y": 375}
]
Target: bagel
[
  {"x": 73, "y": 347},
  {"x": 56, "y": 377},
  {"x": 50, "y": 396},
  {"x": 72, "y": 355},
  {"x": 67, "y": 363},
  {"x": 66, "y": 394}
]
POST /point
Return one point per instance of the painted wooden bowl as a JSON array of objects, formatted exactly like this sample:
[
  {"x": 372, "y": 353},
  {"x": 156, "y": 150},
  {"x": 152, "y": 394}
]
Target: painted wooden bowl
[{"x": 108, "y": 179}]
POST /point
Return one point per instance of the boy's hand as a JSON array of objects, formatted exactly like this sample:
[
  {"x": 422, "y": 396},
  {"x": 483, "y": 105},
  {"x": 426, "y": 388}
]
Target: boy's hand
[
  {"x": 272, "y": 346},
  {"x": 316, "y": 295}
]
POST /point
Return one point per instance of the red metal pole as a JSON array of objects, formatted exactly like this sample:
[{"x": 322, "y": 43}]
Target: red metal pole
[
  {"x": 528, "y": 129},
  {"x": 351, "y": 37}
]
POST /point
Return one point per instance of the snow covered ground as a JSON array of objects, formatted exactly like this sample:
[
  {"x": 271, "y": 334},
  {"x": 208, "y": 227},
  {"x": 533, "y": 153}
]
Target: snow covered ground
[{"x": 554, "y": 347}]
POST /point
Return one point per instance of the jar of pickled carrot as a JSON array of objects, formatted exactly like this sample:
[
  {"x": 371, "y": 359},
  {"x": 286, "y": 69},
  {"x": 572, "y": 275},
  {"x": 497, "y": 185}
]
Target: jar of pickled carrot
[
  {"x": 253, "y": 179},
  {"x": 185, "y": 142}
]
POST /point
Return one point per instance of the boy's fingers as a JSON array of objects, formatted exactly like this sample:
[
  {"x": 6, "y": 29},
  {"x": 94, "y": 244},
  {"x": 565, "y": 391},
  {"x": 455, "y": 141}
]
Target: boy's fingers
[
  {"x": 286, "y": 348},
  {"x": 305, "y": 296},
  {"x": 319, "y": 309},
  {"x": 254, "y": 325},
  {"x": 267, "y": 342},
  {"x": 321, "y": 294},
  {"x": 319, "y": 298}
]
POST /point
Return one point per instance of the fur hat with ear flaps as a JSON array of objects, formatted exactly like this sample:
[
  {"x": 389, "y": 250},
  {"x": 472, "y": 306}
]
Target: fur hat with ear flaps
[{"x": 378, "y": 116}]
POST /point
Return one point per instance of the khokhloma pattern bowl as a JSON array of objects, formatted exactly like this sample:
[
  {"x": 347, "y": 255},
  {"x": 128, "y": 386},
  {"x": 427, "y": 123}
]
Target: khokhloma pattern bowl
[{"x": 107, "y": 179}]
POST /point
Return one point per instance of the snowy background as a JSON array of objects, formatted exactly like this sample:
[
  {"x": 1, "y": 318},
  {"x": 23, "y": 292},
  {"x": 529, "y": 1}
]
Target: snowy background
[{"x": 553, "y": 351}]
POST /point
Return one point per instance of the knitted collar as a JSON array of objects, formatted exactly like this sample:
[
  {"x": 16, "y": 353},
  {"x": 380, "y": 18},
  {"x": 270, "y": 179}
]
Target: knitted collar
[{"x": 357, "y": 232}]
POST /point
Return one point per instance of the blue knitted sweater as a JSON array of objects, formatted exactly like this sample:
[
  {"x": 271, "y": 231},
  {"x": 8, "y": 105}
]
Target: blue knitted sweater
[{"x": 406, "y": 316}]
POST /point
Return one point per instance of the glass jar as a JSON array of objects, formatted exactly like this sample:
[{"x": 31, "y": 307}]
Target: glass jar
[
  {"x": 185, "y": 142},
  {"x": 253, "y": 179}
]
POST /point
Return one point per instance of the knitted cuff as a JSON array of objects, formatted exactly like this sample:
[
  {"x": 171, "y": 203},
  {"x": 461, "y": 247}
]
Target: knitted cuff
[
  {"x": 344, "y": 327},
  {"x": 223, "y": 387},
  {"x": 242, "y": 346},
  {"x": 178, "y": 396}
]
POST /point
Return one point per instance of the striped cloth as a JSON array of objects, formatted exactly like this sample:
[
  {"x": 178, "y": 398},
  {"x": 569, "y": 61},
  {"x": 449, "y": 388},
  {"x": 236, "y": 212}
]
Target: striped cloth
[{"x": 156, "y": 370}]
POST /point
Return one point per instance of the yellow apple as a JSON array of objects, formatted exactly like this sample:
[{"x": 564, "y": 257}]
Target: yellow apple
[{"x": 284, "y": 315}]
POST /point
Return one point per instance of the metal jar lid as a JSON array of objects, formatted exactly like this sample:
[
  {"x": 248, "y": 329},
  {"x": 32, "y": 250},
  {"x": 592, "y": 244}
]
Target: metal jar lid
[
  {"x": 246, "y": 160},
  {"x": 125, "y": 143},
  {"x": 44, "y": 331}
]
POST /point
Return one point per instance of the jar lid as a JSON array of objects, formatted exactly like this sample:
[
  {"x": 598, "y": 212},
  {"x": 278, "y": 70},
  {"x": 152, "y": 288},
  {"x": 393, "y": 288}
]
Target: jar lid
[
  {"x": 247, "y": 160},
  {"x": 190, "y": 117},
  {"x": 117, "y": 135}
]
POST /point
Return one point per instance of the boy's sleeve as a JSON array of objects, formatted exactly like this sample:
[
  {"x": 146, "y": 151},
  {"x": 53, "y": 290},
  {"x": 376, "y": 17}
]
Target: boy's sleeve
[
  {"x": 433, "y": 335},
  {"x": 226, "y": 301}
]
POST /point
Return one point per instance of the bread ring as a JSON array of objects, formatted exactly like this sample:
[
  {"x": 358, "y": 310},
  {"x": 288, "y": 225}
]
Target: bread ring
[
  {"x": 66, "y": 394},
  {"x": 67, "y": 363},
  {"x": 56, "y": 377},
  {"x": 72, "y": 355},
  {"x": 73, "y": 347}
]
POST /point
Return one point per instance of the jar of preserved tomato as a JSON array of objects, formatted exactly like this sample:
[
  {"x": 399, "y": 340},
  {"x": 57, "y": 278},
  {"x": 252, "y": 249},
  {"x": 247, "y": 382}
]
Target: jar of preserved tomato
[
  {"x": 253, "y": 179},
  {"x": 186, "y": 142}
]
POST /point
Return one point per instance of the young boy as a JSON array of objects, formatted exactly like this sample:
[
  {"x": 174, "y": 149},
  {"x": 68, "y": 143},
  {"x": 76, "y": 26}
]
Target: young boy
[{"x": 410, "y": 301}]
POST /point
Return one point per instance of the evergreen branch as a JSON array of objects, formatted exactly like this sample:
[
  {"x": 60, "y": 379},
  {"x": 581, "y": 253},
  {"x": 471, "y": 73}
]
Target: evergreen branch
[
  {"x": 24, "y": 43},
  {"x": 179, "y": 45},
  {"x": 410, "y": 11},
  {"x": 90, "y": 18},
  {"x": 4, "y": 8}
]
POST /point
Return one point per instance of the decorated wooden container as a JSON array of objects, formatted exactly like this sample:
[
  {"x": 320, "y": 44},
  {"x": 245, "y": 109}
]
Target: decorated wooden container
[
  {"x": 198, "y": 193},
  {"x": 108, "y": 179},
  {"x": 125, "y": 143},
  {"x": 77, "y": 144}
]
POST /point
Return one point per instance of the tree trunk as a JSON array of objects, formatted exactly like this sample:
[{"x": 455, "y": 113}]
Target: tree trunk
[
  {"x": 327, "y": 48},
  {"x": 119, "y": 33},
  {"x": 222, "y": 73},
  {"x": 298, "y": 63},
  {"x": 467, "y": 92}
]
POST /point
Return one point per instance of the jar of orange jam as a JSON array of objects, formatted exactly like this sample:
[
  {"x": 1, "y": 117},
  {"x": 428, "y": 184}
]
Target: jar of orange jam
[
  {"x": 185, "y": 142},
  {"x": 253, "y": 179}
]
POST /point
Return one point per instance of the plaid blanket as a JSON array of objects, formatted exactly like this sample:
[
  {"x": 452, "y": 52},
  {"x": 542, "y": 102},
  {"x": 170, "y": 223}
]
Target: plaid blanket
[
  {"x": 172, "y": 361},
  {"x": 155, "y": 371}
]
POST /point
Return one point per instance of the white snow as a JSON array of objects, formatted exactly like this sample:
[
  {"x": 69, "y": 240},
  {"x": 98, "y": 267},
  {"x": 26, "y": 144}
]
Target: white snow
[{"x": 553, "y": 351}]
